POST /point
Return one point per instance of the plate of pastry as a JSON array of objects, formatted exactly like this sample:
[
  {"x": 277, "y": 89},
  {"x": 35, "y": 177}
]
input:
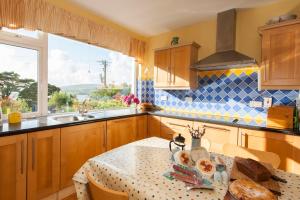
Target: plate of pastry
[
  {"x": 183, "y": 158},
  {"x": 246, "y": 189},
  {"x": 206, "y": 167}
]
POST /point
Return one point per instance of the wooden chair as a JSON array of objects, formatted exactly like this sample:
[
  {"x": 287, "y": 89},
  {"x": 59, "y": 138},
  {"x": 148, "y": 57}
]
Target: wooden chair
[
  {"x": 205, "y": 143},
  {"x": 263, "y": 156},
  {"x": 98, "y": 192}
]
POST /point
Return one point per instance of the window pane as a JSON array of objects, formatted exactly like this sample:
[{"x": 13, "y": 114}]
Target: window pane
[
  {"x": 78, "y": 71},
  {"x": 18, "y": 79},
  {"x": 22, "y": 32}
]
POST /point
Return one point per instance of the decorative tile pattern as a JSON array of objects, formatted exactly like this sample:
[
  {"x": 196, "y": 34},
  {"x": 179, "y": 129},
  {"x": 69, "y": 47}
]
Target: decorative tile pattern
[{"x": 225, "y": 93}]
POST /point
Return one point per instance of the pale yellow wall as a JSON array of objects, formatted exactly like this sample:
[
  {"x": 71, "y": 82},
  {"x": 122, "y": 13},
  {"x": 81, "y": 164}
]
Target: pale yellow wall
[{"x": 204, "y": 33}]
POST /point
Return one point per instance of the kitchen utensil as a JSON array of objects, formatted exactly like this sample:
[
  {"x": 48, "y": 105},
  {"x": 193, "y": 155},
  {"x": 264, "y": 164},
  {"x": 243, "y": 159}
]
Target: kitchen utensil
[{"x": 178, "y": 141}]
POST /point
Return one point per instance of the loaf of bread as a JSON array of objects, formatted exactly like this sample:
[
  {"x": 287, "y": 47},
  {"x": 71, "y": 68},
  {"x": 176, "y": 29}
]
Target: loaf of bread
[{"x": 253, "y": 169}]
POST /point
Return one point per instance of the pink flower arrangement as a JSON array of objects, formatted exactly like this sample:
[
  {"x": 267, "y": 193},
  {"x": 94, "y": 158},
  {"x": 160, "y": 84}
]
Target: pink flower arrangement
[{"x": 129, "y": 99}]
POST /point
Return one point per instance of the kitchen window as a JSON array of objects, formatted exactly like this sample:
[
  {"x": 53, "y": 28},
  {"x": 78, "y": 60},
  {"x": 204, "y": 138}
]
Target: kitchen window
[
  {"x": 43, "y": 74},
  {"x": 22, "y": 61},
  {"x": 79, "y": 72}
]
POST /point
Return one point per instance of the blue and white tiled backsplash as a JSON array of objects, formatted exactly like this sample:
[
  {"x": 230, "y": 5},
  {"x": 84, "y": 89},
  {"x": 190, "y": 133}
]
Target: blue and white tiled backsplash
[{"x": 225, "y": 93}]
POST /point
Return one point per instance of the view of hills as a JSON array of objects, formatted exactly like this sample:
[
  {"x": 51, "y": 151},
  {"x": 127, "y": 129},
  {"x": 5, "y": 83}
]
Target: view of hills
[{"x": 80, "y": 89}]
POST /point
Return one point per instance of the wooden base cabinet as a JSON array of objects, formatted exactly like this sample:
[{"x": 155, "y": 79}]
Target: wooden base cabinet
[
  {"x": 153, "y": 126},
  {"x": 43, "y": 164},
  {"x": 286, "y": 146},
  {"x": 121, "y": 132},
  {"x": 218, "y": 135},
  {"x": 141, "y": 127},
  {"x": 78, "y": 144},
  {"x": 13, "y": 150},
  {"x": 171, "y": 128}
]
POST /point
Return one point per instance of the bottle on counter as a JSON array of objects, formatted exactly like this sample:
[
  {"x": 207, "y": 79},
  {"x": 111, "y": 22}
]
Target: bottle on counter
[
  {"x": 296, "y": 120},
  {"x": 1, "y": 116}
]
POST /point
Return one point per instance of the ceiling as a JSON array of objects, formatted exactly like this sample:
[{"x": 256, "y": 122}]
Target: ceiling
[{"x": 152, "y": 17}]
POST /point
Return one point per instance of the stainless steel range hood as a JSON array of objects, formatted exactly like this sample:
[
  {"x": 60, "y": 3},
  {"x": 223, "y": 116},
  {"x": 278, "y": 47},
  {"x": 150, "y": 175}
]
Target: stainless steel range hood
[{"x": 225, "y": 57}]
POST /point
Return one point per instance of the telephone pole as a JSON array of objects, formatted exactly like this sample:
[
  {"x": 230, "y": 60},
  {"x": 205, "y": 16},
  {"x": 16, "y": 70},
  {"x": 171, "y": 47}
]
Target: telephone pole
[{"x": 104, "y": 65}]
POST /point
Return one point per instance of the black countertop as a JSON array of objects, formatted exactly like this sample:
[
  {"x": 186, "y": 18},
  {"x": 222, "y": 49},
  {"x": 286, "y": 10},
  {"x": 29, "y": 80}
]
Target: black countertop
[
  {"x": 48, "y": 122},
  {"x": 223, "y": 120},
  {"x": 44, "y": 123}
]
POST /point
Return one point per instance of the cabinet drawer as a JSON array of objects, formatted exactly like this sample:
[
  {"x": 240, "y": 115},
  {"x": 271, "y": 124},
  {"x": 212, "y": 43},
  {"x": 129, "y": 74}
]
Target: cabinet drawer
[
  {"x": 176, "y": 124},
  {"x": 285, "y": 146},
  {"x": 218, "y": 135},
  {"x": 174, "y": 127}
]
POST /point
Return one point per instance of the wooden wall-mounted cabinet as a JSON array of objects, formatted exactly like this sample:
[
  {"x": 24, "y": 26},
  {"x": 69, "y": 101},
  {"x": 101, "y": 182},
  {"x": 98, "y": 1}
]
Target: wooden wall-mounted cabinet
[
  {"x": 280, "y": 66},
  {"x": 172, "y": 67},
  {"x": 43, "y": 164},
  {"x": 78, "y": 144},
  {"x": 13, "y": 167}
]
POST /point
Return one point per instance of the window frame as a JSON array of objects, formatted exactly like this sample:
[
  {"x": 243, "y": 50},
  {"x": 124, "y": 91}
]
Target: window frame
[{"x": 40, "y": 44}]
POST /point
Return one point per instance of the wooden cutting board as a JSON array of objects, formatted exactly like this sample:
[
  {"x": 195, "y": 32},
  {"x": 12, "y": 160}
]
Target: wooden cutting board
[
  {"x": 281, "y": 117},
  {"x": 270, "y": 184}
]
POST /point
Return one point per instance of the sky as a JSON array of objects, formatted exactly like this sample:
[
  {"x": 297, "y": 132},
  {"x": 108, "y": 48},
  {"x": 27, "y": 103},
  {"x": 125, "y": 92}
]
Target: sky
[{"x": 69, "y": 62}]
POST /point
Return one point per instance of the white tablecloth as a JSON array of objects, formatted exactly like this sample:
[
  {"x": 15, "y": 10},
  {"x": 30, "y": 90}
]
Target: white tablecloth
[{"x": 138, "y": 168}]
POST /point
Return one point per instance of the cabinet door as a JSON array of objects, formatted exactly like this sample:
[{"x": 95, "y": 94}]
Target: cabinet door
[
  {"x": 78, "y": 144},
  {"x": 120, "y": 132},
  {"x": 141, "y": 127},
  {"x": 171, "y": 128},
  {"x": 218, "y": 135},
  {"x": 43, "y": 163},
  {"x": 162, "y": 68},
  {"x": 282, "y": 145},
  {"x": 13, "y": 150},
  {"x": 180, "y": 66},
  {"x": 153, "y": 126},
  {"x": 281, "y": 57}
]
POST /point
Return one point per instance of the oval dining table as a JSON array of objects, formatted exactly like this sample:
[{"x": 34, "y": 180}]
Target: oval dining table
[{"x": 137, "y": 169}]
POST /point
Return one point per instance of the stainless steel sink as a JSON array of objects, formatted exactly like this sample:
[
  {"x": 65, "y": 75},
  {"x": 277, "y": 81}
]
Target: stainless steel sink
[{"x": 73, "y": 118}]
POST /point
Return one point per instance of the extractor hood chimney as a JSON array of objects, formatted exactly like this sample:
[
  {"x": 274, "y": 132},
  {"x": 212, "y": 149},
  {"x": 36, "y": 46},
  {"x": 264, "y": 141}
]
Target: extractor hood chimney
[{"x": 225, "y": 57}]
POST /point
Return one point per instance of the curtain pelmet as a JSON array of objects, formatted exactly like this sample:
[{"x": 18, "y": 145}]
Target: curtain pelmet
[{"x": 40, "y": 15}]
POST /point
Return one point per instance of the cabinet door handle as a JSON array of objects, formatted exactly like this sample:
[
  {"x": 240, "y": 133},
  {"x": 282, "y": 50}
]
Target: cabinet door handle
[
  {"x": 22, "y": 156},
  {"x": 217, "y": 128},
  {"x": 177, "y": 124},
  {"x": 33, "y": 153},
  {"x": 243, "y": 135},
  {"x": 104, "y": 132},
  {"x": 169, "y": 75}
]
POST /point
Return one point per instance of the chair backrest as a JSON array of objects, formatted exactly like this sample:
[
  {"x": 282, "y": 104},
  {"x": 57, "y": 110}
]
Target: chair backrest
[
  {"x": 262, "y": 156},
  {"x": 205, "y": 143},
  {"x": 97, "y": 191}
]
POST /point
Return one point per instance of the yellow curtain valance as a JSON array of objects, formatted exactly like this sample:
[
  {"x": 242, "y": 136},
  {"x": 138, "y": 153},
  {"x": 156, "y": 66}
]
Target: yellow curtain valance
[{"x": 41, "y": 15}]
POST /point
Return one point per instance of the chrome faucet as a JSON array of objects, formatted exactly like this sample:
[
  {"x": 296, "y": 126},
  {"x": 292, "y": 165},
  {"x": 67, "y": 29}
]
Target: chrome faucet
[{"x": 83, "y": 108}]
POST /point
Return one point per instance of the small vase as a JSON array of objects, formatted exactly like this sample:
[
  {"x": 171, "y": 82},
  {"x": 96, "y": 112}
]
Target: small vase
[
  {"x": 196, "y": 143},
  {"x": 197, "y": 151}
]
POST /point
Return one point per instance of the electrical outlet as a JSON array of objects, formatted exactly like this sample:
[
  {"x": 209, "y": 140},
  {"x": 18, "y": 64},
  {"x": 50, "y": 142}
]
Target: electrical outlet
[
  {"x": 255, "y": 104},
  {"x": 164, "y": 98},
  {"x": 267, "y": 102},
  {"x": 188, "y": 99}
]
